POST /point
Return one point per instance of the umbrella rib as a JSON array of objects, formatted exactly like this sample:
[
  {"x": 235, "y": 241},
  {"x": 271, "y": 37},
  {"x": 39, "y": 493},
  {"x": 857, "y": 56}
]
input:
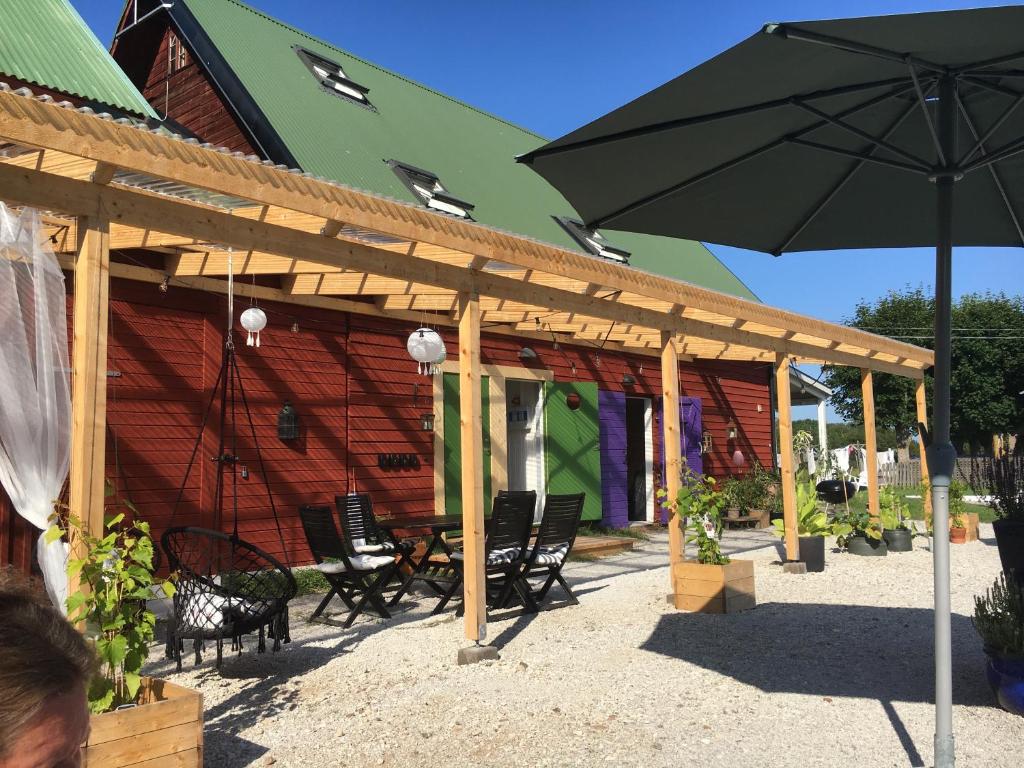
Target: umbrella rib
[
  {"x": 823, "y": 203},
  {"x": 996, "y": 87},
  {"x": 684, "y": 122},
  {"x": 992, "y": 170},
  {"x": 795, "y": 33},
  {"x": 704, "y": 175},
  {"x": 927, "y": 116},
  {"x": 860, "y": 156},
  {"x": 980, "y": 142},
  {"x": 989, "y": 63},
  {"x": 879, "y": 143},
  {"x": 996, "y": 155}
]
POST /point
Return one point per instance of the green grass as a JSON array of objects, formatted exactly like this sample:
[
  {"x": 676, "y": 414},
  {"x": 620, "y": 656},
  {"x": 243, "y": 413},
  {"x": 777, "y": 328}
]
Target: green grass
[
  {"x": 310, "y": 581},
  {"x": 859, "y": 502},
  {"x": 596, "y": 529}
]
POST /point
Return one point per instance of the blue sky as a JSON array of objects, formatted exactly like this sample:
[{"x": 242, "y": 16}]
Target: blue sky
[{"x": 552, "y": 66}]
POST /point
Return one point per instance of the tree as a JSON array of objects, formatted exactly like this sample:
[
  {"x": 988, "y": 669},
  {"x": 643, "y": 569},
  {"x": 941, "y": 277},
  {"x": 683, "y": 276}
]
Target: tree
[{"x": 988, "y": 364}]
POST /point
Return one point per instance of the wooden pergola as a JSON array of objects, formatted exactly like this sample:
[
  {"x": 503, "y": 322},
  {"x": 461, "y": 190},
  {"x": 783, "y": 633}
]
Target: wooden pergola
[{"x": 111, "y": 184}]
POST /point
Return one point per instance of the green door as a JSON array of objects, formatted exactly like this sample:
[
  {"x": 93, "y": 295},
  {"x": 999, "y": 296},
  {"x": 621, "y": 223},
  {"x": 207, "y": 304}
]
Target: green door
[
  {"x": 571, "y": 449},
  {"x": 453, "y": 444}
]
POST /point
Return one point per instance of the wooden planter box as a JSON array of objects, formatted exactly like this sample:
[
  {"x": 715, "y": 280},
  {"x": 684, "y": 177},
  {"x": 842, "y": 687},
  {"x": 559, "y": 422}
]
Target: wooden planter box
[
  {"x": 165, "y": 731},
  {"x": 714, "y": 588},
  {"x": 971, "y": 521}
]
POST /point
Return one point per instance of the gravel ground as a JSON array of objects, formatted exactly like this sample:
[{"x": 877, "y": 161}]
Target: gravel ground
[{"x": 829, "y": 669}]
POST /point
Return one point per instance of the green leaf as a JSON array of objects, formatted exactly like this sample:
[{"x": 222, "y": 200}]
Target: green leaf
[
  {"x": 132, "y": 681},
  {"x": 114, "y": 521},
  {"x": 101, "y": 695},
  {"x": 113, "y": 651},
  {"x": 53, "y": 533}
]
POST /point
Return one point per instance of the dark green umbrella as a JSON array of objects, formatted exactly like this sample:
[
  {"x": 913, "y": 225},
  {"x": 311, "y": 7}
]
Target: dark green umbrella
[{"x": 853, "y": 133}]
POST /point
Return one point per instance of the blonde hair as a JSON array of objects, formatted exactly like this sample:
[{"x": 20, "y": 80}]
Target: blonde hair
[{"x": 41, "y": 655}]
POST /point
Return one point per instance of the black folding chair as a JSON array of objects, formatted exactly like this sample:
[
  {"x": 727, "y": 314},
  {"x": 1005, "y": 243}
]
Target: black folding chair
[
  {"x": 557, "y": 534},
  {"x": 349, "y": 574},
  {"x": 355, "y": 511},
  {"x": 505, "y": 545}
]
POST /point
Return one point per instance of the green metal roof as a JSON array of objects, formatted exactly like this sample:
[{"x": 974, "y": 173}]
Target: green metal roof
[
  {"x": 470, "y": 151},
  {"x": 46, "y": 42}
]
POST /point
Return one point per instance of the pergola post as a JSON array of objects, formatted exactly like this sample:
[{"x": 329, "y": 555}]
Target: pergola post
[
  {"x": 673, "y": 443},
  {"x": 788, "y": 481},
  {"x": 471, "y": 432},
  {"x": 922, "y": 418},
  {"x": 822, "y": 427},
  {"x": 89, "y": 376},
  {"x": 867, "y": 389}
]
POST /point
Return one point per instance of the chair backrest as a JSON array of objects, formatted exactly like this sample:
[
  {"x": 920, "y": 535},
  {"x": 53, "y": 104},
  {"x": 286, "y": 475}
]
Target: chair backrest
[
  {"x": 561, "y": 519},
  {"x": 511, "y": 520},
  {"x": 321, "y": 533},
  {"x": 357, "y": 521}
]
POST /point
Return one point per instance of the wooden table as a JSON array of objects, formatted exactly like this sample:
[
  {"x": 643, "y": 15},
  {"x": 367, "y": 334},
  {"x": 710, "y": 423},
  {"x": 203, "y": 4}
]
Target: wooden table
[{"x": 424, "y": 571}]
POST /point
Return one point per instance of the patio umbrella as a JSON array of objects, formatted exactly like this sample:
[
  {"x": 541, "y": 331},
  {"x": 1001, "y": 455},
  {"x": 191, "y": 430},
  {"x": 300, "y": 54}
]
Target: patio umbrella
[{"x": 875, "y": 132}]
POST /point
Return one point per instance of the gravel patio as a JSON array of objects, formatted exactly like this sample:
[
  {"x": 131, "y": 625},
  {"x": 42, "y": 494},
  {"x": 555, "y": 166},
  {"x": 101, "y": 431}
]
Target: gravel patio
[{"x": 830, "y": 669}]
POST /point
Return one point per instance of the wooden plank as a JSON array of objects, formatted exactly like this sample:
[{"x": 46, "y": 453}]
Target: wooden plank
[
  {"x": 715, "y": 588},
  {"x": 673, "y": 445},
  {"x": 736, "y": 570},
  {"x": 34, "y": 123},
  {"x": 471, "y": 432},
  {"x": 921, "y": 399},
  {"x": 788, "y": 480},
  {"x": 143, "y": 746},
  {"x": 437, "y": 405},
  {"x": 89, "y": 375},
  {"x": 30, "y": 187},
  {"x": 867, "y": 389}
]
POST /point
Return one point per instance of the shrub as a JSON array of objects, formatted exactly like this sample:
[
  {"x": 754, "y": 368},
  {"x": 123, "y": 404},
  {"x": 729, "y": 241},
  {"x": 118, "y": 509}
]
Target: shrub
[
  {"x": 999, "y": 617},
  {"x": 1003, "y": 479}
]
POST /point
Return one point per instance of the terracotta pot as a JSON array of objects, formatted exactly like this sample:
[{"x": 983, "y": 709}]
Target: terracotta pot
[{"x": 957, "y": 535}]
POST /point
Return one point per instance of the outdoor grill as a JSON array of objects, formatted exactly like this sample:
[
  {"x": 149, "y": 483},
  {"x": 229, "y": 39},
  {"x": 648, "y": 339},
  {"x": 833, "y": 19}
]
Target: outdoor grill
[{"x": 832, "y": 492}]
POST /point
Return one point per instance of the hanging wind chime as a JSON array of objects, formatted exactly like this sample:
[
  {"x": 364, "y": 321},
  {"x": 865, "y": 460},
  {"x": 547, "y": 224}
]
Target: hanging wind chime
[{"x": 426, "y": 347}]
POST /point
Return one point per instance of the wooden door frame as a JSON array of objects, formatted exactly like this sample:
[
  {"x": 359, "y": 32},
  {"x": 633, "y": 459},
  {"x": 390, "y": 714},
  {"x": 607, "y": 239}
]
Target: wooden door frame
[{"x": 497, "y": 376}]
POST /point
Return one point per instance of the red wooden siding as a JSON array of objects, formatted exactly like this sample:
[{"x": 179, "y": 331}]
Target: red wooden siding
[
  {"x": 189, "y": 98},
  {"x": 357, "y": 394}
]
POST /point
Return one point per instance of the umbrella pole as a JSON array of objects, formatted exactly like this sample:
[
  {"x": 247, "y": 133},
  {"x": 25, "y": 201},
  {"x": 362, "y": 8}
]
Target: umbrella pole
[{"x": 941, "y": 454}]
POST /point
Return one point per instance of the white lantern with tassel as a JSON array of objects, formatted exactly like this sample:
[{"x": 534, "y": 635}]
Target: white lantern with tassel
[
  {"x": 426, "y": 347},
  {"x": 253, "y": 320}
]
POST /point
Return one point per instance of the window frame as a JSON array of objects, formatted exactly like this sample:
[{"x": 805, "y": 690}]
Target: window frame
[
  {"x": 350, "y": 90},
  {"x": 588, "y": 239},
  {"x": 428, "y": 190},
  {"x": 177, "y": 53}
]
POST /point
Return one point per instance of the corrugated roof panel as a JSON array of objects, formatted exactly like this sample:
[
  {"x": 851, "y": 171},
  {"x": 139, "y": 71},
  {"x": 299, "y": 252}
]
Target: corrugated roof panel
[
  {"x": 470, "y": 151},
  {"x": 46, "y": 42}
]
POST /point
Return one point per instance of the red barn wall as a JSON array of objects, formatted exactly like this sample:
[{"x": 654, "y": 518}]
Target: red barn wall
[
  {"x": 357, "y": 394},
  {"x": 189, "y": 98}
]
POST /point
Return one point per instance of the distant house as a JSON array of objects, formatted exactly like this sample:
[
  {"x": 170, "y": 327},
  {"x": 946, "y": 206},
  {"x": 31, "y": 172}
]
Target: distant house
[{"x": 232, "y": 77}]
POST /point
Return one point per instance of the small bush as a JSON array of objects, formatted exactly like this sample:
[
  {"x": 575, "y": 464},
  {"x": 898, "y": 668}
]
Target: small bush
[
  {"x": 310, "y": 581},
  {"x": 999, "y": 617}
]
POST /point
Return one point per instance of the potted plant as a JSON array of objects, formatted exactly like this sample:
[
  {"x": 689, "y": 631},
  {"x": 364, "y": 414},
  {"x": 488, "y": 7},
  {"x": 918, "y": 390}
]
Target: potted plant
[
  {"x": 710, "y": 583},
  {"x": 132, "y": 715},
  {"x": 1002, "y": 477},
  {"x": 862, "y": 535},
  {"x": 812, "y": 526},
  {"x": 894, "y": 514},
  {"x": 999, "y": 620},
  {"x": 749, "y": 495}
]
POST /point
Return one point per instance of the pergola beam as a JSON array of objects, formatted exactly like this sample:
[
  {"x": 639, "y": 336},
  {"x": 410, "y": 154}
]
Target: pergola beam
[
  {"x": 43, "y": 190},
  {"x": 30, "y": 122}
]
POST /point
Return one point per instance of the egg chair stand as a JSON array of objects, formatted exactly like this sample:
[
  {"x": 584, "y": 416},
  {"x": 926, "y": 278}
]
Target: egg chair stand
[{"x": 226, "y": 587}]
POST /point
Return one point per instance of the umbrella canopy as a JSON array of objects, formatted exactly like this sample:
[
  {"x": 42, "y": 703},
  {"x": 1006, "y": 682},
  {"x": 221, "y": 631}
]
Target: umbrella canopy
[
  {"x": 812, "y": 136},
  {"x": 851, "y": 133}
]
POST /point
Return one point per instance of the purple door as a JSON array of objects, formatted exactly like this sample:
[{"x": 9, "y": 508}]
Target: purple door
[
  {"x": 611, "y": 409},
  {"x": 690, "y": 410}
]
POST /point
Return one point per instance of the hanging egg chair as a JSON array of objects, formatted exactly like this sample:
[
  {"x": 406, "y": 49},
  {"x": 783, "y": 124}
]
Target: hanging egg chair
[{"x": 226, "y": 587}]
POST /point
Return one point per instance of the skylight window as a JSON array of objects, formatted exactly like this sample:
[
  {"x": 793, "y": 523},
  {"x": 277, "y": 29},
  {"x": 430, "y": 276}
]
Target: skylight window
[
  {"x": 332, "y": 78},
  {"x": 592, "y": 241},
  {"x": 430, "y": 191}
]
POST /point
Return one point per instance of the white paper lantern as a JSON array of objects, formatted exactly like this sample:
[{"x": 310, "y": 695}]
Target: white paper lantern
[
  {"x": 426, "y": 347},
  {"x": 253, "y": 320}
]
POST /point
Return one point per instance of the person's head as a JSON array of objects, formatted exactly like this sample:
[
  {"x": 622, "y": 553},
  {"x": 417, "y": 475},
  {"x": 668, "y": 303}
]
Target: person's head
[{"x": 45, "y": 667}]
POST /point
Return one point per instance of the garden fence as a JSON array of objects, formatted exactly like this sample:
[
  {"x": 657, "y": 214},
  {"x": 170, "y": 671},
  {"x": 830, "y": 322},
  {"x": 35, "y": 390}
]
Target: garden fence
[{"x": 907, "y": 474}]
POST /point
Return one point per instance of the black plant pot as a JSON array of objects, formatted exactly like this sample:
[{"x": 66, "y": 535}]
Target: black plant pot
[
  {"x": 862, "y": 545},
  {"x": 812, "y": 553},
  {"x": 898, "y": 540},
  {"x": 1010, "y": 541}
]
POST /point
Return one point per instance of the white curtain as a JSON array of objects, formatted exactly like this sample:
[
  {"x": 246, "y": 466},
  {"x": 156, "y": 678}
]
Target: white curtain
[{"x": 35, "y": 396}]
